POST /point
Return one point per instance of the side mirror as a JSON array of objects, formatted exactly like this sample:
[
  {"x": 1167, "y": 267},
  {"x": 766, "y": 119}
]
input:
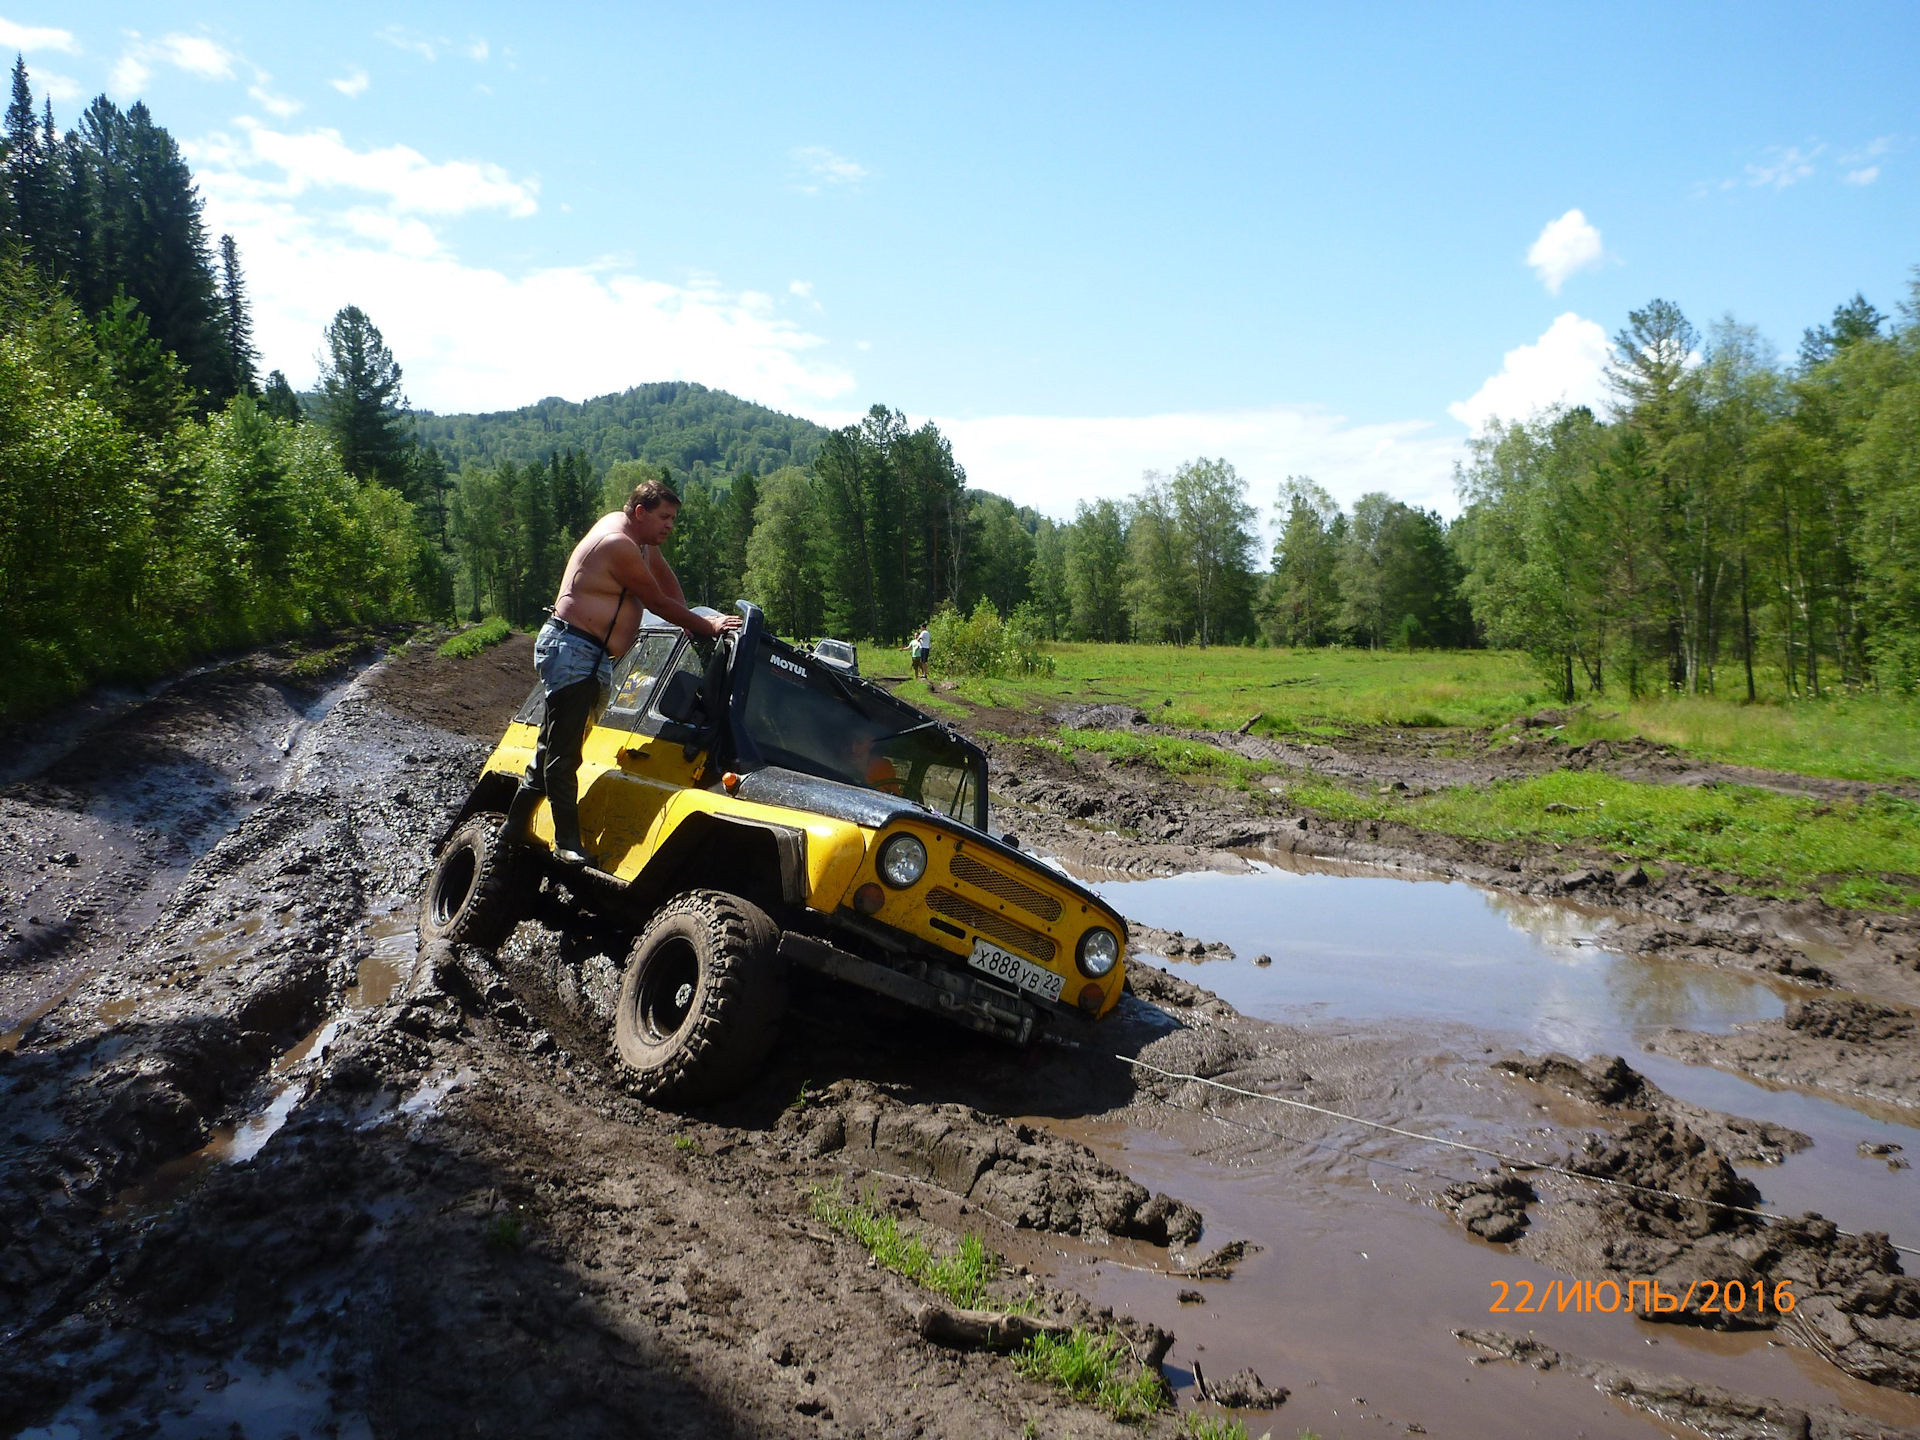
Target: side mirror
[{"x": 680, "y": 698}]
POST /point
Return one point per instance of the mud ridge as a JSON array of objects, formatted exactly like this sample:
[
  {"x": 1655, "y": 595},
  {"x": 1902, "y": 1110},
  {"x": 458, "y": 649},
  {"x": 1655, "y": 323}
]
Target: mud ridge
[{"x": 1709, "y": 1409}]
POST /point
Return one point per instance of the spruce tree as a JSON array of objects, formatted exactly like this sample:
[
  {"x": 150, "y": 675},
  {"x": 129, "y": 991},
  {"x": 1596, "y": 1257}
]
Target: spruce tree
[
  {"x": 279, "y": 401},
  {"x": 236, "y": 325},
  {"x": 20, "y": 159},
  {"x": 361, "y": 404}
]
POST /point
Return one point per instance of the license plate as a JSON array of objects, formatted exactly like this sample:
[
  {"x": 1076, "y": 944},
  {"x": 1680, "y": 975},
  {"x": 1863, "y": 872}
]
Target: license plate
[{"x": 992, "y": 960}]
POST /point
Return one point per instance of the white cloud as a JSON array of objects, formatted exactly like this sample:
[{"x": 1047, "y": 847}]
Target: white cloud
[
  {"x": 431, "y": 47},
  {"x": 802, "y": 288},
  {"x": 1564, "y": 247},
  {"x": 197, "y": 55},
  {"x": 1788, "y": 166},
  {"x": 401, "y": 38},
  {"x": 279, "y": 105},
  {"x": 820, "y": 166},
  {"x": 61, "y": 88},
  {"x": 1863, "y": 172},
  {"x": 353, "y": 84},
  {"x": 129, "y": 75},
  {"x": 1054, "y": 462},
  {"x": 1566, "y": 365},
  {"x": 320, "y": 159},
  {"x": 470, "y": 337},
  {"x": 36, "y": 37}
]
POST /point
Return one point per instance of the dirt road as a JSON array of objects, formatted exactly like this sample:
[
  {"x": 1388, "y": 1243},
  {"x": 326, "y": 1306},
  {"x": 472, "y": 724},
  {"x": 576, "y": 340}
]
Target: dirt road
[{"x": 268, "y": 1171}]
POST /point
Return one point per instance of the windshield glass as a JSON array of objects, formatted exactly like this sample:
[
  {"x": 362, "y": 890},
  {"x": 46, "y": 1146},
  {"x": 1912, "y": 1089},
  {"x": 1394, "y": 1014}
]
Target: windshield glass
[{"x": 802, "y": 715}]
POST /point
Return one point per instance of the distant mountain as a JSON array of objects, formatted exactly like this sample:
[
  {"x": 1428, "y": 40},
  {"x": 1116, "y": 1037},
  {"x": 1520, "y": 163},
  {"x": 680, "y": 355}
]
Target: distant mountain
[{"x": 693, "y": 431}]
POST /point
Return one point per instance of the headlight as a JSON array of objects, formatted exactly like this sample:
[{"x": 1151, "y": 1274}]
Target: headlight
[
  {"x": 903, "y": 860},
  {"x": 1099, "y": 949}
]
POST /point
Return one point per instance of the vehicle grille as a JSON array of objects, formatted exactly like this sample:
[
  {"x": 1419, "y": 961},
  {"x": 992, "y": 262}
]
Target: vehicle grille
[
  {"x": 984, "y": 877},
  {"x": 992, "y": 924}
]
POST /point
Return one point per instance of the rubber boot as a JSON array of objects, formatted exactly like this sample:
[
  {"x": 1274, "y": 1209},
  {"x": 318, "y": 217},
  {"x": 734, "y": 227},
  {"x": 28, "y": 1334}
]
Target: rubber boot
[
  {"x": 566, "y": 834},
  {"x": 519, "y": 827}
]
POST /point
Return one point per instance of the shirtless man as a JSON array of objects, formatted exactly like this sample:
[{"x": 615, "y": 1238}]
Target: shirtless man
[{"x": 614, "y": 573}]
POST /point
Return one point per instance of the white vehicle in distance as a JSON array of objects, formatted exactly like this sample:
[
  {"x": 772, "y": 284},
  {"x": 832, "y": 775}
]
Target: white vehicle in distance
[{"x": 840, "y": 654}]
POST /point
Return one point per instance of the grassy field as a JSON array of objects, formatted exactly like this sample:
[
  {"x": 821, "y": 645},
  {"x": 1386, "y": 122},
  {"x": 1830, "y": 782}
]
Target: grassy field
[
  {"x": 1856, "y": 853},
  {"x": 1334, "y": 692}
]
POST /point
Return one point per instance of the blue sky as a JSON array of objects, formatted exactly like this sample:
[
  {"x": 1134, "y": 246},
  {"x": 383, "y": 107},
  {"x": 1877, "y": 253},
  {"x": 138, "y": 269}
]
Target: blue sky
[{"x": 1089, "y": 240}]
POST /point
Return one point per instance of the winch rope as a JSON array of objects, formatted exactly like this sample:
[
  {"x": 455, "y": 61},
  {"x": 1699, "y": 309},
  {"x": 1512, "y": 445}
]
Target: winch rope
[{"x": 1518, "y": 1161}]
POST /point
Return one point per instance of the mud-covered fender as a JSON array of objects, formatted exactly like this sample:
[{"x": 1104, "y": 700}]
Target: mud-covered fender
[
  {"x": 816, "y": 857},
  {"x": 492, "y": 791}
]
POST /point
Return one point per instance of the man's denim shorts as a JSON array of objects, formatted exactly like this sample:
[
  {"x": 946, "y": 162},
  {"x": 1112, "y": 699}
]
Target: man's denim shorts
[{"x": 563, "y": 658}]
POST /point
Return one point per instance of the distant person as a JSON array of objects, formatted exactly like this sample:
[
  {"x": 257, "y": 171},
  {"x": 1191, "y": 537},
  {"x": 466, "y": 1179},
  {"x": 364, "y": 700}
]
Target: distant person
[
  {"x": 922, "y": 649},
  {"x": 614, "y": 573}
]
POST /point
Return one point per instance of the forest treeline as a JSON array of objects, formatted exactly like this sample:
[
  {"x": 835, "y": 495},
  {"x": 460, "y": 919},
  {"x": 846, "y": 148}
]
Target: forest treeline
[
  {"x": 1730, "y": 517},
  {"x": 1734, "y": 515},
  {"x": 157, "y": 501},
  {"x": 691, "y": 431}
]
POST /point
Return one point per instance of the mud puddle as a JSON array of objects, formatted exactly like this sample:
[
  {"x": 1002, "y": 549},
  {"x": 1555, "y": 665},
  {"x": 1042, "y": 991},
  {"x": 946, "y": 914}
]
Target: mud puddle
[
  {"x": 1352, "y": 1259},
  {"x": 1466, "y": 965},
  {"x": 1361, "y": 946}
]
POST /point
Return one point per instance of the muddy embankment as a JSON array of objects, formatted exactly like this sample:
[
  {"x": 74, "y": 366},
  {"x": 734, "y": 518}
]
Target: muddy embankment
[{"x": 266, "y": 1171}]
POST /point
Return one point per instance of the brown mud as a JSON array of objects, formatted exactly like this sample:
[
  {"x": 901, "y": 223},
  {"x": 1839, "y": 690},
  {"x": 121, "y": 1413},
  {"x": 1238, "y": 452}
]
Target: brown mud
[{"x": 267, "y": 1171}]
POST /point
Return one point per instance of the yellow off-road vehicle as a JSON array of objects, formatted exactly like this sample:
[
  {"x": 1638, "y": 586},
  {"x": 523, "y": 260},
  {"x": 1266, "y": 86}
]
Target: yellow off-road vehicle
[{"x": 751, "y": 809}]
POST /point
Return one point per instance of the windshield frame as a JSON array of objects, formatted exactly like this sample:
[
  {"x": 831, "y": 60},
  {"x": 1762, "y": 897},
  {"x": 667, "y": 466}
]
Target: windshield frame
[{"x": 871, "y": 701}]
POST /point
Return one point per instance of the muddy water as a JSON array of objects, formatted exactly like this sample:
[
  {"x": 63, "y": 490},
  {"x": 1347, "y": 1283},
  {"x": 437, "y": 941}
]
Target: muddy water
[
  {"x": 1368, "y": 947},
  {"x": 1353, "y": 1300},
  {"x": 1459, "y": 972},
  {"x": 1479, "y": 970}
]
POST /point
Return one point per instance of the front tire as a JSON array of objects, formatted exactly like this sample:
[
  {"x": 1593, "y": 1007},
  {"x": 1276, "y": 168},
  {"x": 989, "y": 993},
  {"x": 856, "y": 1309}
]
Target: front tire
[
  {"x": 702, "y": 998},
  {"x": 475, "y": 893}
]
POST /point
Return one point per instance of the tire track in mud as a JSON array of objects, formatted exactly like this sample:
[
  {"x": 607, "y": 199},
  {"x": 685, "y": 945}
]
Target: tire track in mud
[{"x": 465, "y": 1224}]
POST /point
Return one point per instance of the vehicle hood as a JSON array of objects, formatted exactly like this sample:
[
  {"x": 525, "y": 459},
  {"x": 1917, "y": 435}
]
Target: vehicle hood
[{"x": 775, "y": 785}]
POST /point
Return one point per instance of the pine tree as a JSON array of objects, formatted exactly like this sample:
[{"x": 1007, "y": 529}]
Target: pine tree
[
  {"x": 236, "y": 325},
  {"x": 361, "y": 404}
]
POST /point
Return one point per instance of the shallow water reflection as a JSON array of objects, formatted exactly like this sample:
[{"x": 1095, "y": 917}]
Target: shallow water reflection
[
  {"x": 1352, "y": 945},
  {"x": 1374, "y": 947}
]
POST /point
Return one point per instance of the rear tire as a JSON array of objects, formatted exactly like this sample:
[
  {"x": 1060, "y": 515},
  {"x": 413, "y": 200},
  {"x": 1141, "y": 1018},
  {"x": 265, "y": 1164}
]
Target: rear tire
[
  {"x": 475, "y": 895},
  {"x": 702, "y": 999}
]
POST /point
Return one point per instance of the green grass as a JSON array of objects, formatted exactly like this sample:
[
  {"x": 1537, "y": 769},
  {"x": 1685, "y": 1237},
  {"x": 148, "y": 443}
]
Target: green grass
[
  {"x": 962, "y": 1277},
  {"x": 1164, "y": 752},
  {"x": 1336, "y": 691},
  {"x": 505, "y": 1232},
  {"x": 688, "y": 1144},
  {"x": 1847, "y": 737},
  {"x": 1309, "y": 691},
  {"x": 317, "y": 664},
  {"x": 475, "y": 639},
  {"x": 1211, "y": 1425},
  {"x": 1096, "y": 1369},
  {"x": 1855, "y": 853}
]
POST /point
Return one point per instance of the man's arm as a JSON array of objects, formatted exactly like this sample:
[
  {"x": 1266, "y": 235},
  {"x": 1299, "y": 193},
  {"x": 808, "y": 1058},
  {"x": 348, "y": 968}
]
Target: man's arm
[
  {"x": 640, "y": 577},
  {"x": 663, "y": 573}
]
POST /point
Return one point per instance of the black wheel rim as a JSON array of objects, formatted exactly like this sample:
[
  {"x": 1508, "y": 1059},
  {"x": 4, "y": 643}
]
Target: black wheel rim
[
  {"x": 454, "y": 883},
  {"x": 667, "y": 987}
]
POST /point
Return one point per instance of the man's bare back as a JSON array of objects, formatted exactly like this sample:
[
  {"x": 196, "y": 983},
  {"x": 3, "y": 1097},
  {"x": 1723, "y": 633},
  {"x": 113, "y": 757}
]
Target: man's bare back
[{"x": 617, "y": 569}]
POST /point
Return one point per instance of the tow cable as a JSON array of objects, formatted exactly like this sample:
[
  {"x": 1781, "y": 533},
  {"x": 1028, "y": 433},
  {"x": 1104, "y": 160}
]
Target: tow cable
[{"x": 1515, "y": 1161}]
